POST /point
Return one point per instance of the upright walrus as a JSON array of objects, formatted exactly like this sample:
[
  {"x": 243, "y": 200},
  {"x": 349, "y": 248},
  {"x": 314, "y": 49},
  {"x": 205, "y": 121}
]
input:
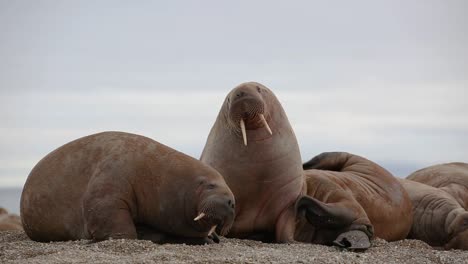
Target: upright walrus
[
  {"x": 449, "y": 177},
  {"x": 439, "y": 219},
  {"x": 254, "y": 147},
  {"x": 120, "y": 185},
  {"x": 348, "y": 193}
]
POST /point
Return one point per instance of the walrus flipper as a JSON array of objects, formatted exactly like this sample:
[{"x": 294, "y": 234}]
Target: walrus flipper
[
  {"x": 107, "y": 217},
  {"x": 322, "y": 214},
  {"x": 333, "y": 161},
  {"x": 354, "y": 239}
]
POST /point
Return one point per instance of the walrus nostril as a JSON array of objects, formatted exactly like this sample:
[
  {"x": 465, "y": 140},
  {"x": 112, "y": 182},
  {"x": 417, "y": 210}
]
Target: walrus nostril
[
  {"x": 240, "y": 94},
  {"x": 230, "y": 203}
]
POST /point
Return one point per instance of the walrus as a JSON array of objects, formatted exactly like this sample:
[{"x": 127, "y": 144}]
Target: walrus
[
  {"x": 439, "y": 219},
  {"x": 121, "y": 185},
  {"x": 346, "y": 192},
  {"x": 254, "y": 148},
  {"x": 9, "y": 221},
  {"x": 449, "y": 177}
]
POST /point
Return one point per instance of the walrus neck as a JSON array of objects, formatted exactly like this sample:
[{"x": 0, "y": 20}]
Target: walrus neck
[{"x": 441, "y": 212}]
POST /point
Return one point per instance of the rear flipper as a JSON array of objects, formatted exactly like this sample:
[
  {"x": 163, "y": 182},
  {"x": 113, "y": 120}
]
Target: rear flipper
[{"x": 333, "y": 161}]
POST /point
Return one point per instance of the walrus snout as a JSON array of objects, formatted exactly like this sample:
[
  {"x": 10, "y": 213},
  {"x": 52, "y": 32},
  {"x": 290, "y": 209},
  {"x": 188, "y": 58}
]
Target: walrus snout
[
  {"x": 460, "y": 241},
  {"x": 218, "y": 212},
  {"x": 247, "y": 109}
]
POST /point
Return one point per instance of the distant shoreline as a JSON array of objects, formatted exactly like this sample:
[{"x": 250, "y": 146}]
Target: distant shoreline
[{"x": 10, "y": 198}]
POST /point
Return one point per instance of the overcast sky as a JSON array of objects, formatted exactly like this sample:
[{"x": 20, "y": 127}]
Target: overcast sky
[{"x": 387, "y": 80}]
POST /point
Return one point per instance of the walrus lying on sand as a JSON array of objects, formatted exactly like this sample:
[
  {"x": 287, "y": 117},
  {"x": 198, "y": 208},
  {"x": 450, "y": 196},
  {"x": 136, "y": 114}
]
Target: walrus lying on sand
[
  {"x": 254, "y": 148},
  {"x": 120, "y": 185},
  {"x": 350, "y": 199},
  {"x": 9, "y": 221},
  {"x": 438, "y": 219},
  {"x": 449, "y": 177}
]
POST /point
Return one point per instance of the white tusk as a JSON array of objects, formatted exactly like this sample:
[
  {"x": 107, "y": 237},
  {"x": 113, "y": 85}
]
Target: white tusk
[
  {"x": 200, "y": 216},
  {"x": 266, "y": 124},
  {"x": 212, "y": 230},
  {"x": 244, "y": 133}
]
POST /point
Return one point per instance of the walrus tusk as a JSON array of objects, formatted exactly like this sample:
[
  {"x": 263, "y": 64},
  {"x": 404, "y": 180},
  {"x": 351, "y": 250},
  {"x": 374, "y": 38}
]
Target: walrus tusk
[
  {"x": 200, "y": 216},
  {"x": 266, "y": 124},
  {"x": 244, "y": 133},
  {"x": 212, "y": 230}
]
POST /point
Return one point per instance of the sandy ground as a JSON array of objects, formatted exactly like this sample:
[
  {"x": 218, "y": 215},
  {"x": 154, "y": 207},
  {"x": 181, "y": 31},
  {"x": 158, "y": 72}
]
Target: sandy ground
[{"x": 16, "y": 247}]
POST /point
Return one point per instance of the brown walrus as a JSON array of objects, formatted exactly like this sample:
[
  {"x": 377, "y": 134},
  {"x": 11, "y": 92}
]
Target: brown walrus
[
  {"x": 449, "y": 177},
  {"x": 439, "y": 219},
  {"x": 254, "y": 147},
  {"x": 120, "y": 185},
  {"x": 346, "y": 192},
  {"x": 9, "y": 221}
]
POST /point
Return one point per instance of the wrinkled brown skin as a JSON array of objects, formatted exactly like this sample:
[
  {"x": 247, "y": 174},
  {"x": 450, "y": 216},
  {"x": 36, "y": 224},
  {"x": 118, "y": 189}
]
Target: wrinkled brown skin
[
  {"x": 439, "y": 219},
  {"x": 9, "y": 221},
  {"x": 449, "y": 177},
  {"x": 120, "y": 185},
  {"x": 362, "y": 194},
  {"x": 265, "y": 176},
  {"x": 341, "y": 212}
]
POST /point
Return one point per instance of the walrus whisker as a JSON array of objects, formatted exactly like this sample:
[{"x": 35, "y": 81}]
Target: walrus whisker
[
  {"x": 212, "y": 230},
  {"x": 265, "y": 123},
  {"x": 200, "y": 216},
  {"x": 244, "y": 133}
]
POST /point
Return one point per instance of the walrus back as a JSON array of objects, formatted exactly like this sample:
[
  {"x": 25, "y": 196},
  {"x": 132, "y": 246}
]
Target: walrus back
[{"x": 51, "y": 202}]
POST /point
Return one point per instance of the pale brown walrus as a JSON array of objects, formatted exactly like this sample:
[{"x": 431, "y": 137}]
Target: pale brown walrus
[
  {"x": 120, "y": 185},
  {"x": 9, "y": 221},
  {"x": 449, "y": 177},
  {"x": 254, "y": 147},
  {"x": 439, "y": 219},
  {"x": 346, "y": 192}
]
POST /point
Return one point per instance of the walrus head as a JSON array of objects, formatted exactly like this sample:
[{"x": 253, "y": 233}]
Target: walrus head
[
  {"x": 215, "y": 211},
  {"x": 458, "y": 232},
  {"x": 247, "y": 109}
]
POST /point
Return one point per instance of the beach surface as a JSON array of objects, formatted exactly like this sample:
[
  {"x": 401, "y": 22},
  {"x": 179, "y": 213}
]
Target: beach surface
[{"x": 16, "y": 247}]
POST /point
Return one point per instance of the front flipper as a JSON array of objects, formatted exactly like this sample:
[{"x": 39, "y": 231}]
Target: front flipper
[
  {"x": 350, "y": 231},
  {"x": 106, "y": 219},
  {"x": 321, "y": 214},
  {"x": 354, "y": 240}
]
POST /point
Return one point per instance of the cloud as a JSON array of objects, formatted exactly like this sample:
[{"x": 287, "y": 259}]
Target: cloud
[
  {"x": 381, "y": 123},
  {"x": 384, "y": 80}
]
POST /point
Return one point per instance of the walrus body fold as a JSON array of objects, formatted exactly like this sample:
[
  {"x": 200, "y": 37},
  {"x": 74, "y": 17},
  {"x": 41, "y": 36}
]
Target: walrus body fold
[
  {"x": 449, "y": 177},
  {"x": 439, "y": 219},
  {"x": 120, "y": 185}
]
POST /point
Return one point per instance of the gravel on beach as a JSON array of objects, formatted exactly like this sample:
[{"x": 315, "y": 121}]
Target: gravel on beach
[{"x": 16, "y": 247}]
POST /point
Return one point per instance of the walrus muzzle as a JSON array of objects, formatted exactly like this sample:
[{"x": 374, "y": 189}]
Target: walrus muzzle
[
  {"x": 217, "y": 214},
  {"x": 248, "y": 114}
]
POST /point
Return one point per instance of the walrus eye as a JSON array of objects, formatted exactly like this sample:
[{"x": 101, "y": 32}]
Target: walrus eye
[
  {"x": 211, "y": 186},
  {"x": 258, "y": 89}
]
